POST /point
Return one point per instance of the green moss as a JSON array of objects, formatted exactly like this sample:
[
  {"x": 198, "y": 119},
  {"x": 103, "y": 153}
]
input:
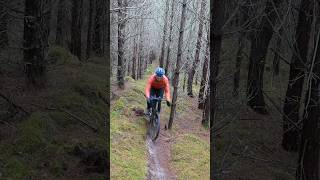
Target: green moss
[
  {"x": 128, "y": 149},
  {"x": 129, "y": 79},
  {"x": 33, "y": 144},
  {"x": 60, "y": 118},
  {"x": 69, "y": 99},
  {"x": 99, "y": 60},
  {"x": 82, "y": 89},
  {"x": 59, "y": 55},
  {"x": 280, "y": 174},
  {"x": 135, "y": 97},
  {"x": 128, "y": 162},
  {"x": 191, "y": 158},
  {"x": 119, "y": 104},
  {"x": 57, "y": 167},
  {"x": 35, "y": 133},
  {"x": 150, "y": 70},
  {"x": 16, "y": 169},
  {"x": 99, "y": 72},
  {"x": 182, "y": 104}
]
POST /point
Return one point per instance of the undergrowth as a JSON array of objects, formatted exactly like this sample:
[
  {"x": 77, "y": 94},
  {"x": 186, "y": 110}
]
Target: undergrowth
[
  {"x": 191, "y": 157},
  {"x": 128, "y": 134},
  {"x": 42, "y": 144}
]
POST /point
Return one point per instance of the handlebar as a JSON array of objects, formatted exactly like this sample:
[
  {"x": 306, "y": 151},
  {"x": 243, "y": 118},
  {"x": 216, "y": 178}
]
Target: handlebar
[
  {"x": 157, "y": 98},
  {"x": 160, "y": 100}
]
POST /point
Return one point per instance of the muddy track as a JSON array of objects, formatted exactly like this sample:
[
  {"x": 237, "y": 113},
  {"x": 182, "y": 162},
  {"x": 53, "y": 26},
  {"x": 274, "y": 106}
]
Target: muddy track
[
  {"x": 159, "y": 157},
  {"x": 159, "y": 166}
]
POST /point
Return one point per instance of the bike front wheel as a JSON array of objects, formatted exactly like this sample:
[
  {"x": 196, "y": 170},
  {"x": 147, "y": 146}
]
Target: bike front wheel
[{"x": 154, "y": 127}]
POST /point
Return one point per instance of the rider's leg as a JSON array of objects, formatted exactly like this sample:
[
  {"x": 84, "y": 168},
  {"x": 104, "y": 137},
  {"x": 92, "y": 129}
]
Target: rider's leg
[
  {"x": 152, "y": 93},
  {"x": 160, "y": 94}
]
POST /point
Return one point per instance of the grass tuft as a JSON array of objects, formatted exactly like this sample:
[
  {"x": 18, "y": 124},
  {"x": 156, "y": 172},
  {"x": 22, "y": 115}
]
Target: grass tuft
[{"x": 191, "y": 158}]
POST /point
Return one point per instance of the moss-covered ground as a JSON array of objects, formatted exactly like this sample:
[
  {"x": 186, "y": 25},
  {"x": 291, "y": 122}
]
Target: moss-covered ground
[{"x": 41, "y": 145}]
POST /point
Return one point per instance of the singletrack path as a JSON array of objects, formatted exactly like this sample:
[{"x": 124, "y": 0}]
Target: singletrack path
[
  {"x": 159, "y": 157},
  {"x": 159, "y": 166}
]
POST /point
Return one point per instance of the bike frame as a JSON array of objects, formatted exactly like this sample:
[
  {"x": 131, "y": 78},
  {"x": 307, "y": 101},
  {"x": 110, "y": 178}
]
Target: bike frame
[{"x": 155, "y": 102}]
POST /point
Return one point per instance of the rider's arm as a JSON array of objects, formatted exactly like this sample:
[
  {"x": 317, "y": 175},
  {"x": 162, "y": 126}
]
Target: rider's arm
[
  {"x": 148, "y": 87},
  {"x": 167, "y": 89}
]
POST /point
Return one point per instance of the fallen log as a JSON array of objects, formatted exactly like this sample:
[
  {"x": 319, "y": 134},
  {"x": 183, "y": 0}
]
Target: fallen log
[
  {"x": 14, "y": 104},
  {"x": 70, "y": 114}
]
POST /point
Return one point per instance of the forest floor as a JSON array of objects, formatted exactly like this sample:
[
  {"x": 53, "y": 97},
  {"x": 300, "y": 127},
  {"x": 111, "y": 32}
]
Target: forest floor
[
  {"x": 249, "y": 147},
  {"x": 179, "y": 153},
  {"x": 247, "y": 144},
  {"x": 42, "y": 131}
]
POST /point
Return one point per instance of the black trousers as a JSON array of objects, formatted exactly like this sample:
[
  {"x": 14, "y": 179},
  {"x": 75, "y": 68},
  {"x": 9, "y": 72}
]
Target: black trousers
[{"x": 155, "y": 93}]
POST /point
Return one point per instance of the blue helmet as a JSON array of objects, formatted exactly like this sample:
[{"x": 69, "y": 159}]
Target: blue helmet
[{"x": 159, "y": 72}]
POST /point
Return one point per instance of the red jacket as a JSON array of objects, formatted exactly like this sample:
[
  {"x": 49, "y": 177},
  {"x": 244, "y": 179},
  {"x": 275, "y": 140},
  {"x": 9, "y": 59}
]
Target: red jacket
[{"x": 163, "y": 83}]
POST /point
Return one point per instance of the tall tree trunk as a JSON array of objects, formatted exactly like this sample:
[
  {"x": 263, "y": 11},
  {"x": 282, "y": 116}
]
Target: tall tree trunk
[
  {"x": 60, "y": 25},
  {"x": 204, "y": 81},
  {"x": 296, "y": 78},
  {"x": 138, "y": 67},
  {"x": 236, "y": 76},
  {"x": 135, "y": 54},
  {"x": 89, "y": 33},
  {"x": 104, "y": 27},
  {"x": 4, "y": 40},
  {"x": 161, "y": 60},
  {"x": 217, "y": 8},
  {"x": 140, "y": 54},
  {"x": 185, "y": 74},
  {"x": 133, "y": 73},
  {"x": 121, "y": 27},
  {"x": 198, "y": 48},
  {"x": 184, "y": 81},
  {"x": 125, "y": 60},
  {"x": 170, "y": 39},
  {"x": 36, "y": 32},
  {"x": 152, "y": 57},
  {"x": 129, "y": 67},
  {"x": 309, "y": 154},
  {"x": 133, "y": 70},
  {"x": 76, "y": 26},
  {"x": 196, "y": 80},
  {"x": 206, "y": 108},
  {"x": 97, "y": 44},
  {"x": 259, "y": 48},
  {"x": 107, "y": 34},
  {"x": 177, "y": 70},
  {"x": 243, "y": 13},
  {"x": 46, "y": 13},
  {"x": 276, "y": 59},
  {"x": 140, "y": 63},
  {"x": 145, "y": 65}
]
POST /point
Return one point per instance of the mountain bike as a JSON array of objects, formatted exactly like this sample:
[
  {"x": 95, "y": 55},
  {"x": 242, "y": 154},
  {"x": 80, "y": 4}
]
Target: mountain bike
[{"x": 154, "y": 122}]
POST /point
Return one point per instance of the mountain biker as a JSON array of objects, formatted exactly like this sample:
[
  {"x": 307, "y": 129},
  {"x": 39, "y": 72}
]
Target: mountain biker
[{"x": 157, "y": 85}]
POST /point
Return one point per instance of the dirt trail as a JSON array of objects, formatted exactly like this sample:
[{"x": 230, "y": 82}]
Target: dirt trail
[
  {"x": 160, "y": 150},
  {"x": 159, "y": 157}
]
